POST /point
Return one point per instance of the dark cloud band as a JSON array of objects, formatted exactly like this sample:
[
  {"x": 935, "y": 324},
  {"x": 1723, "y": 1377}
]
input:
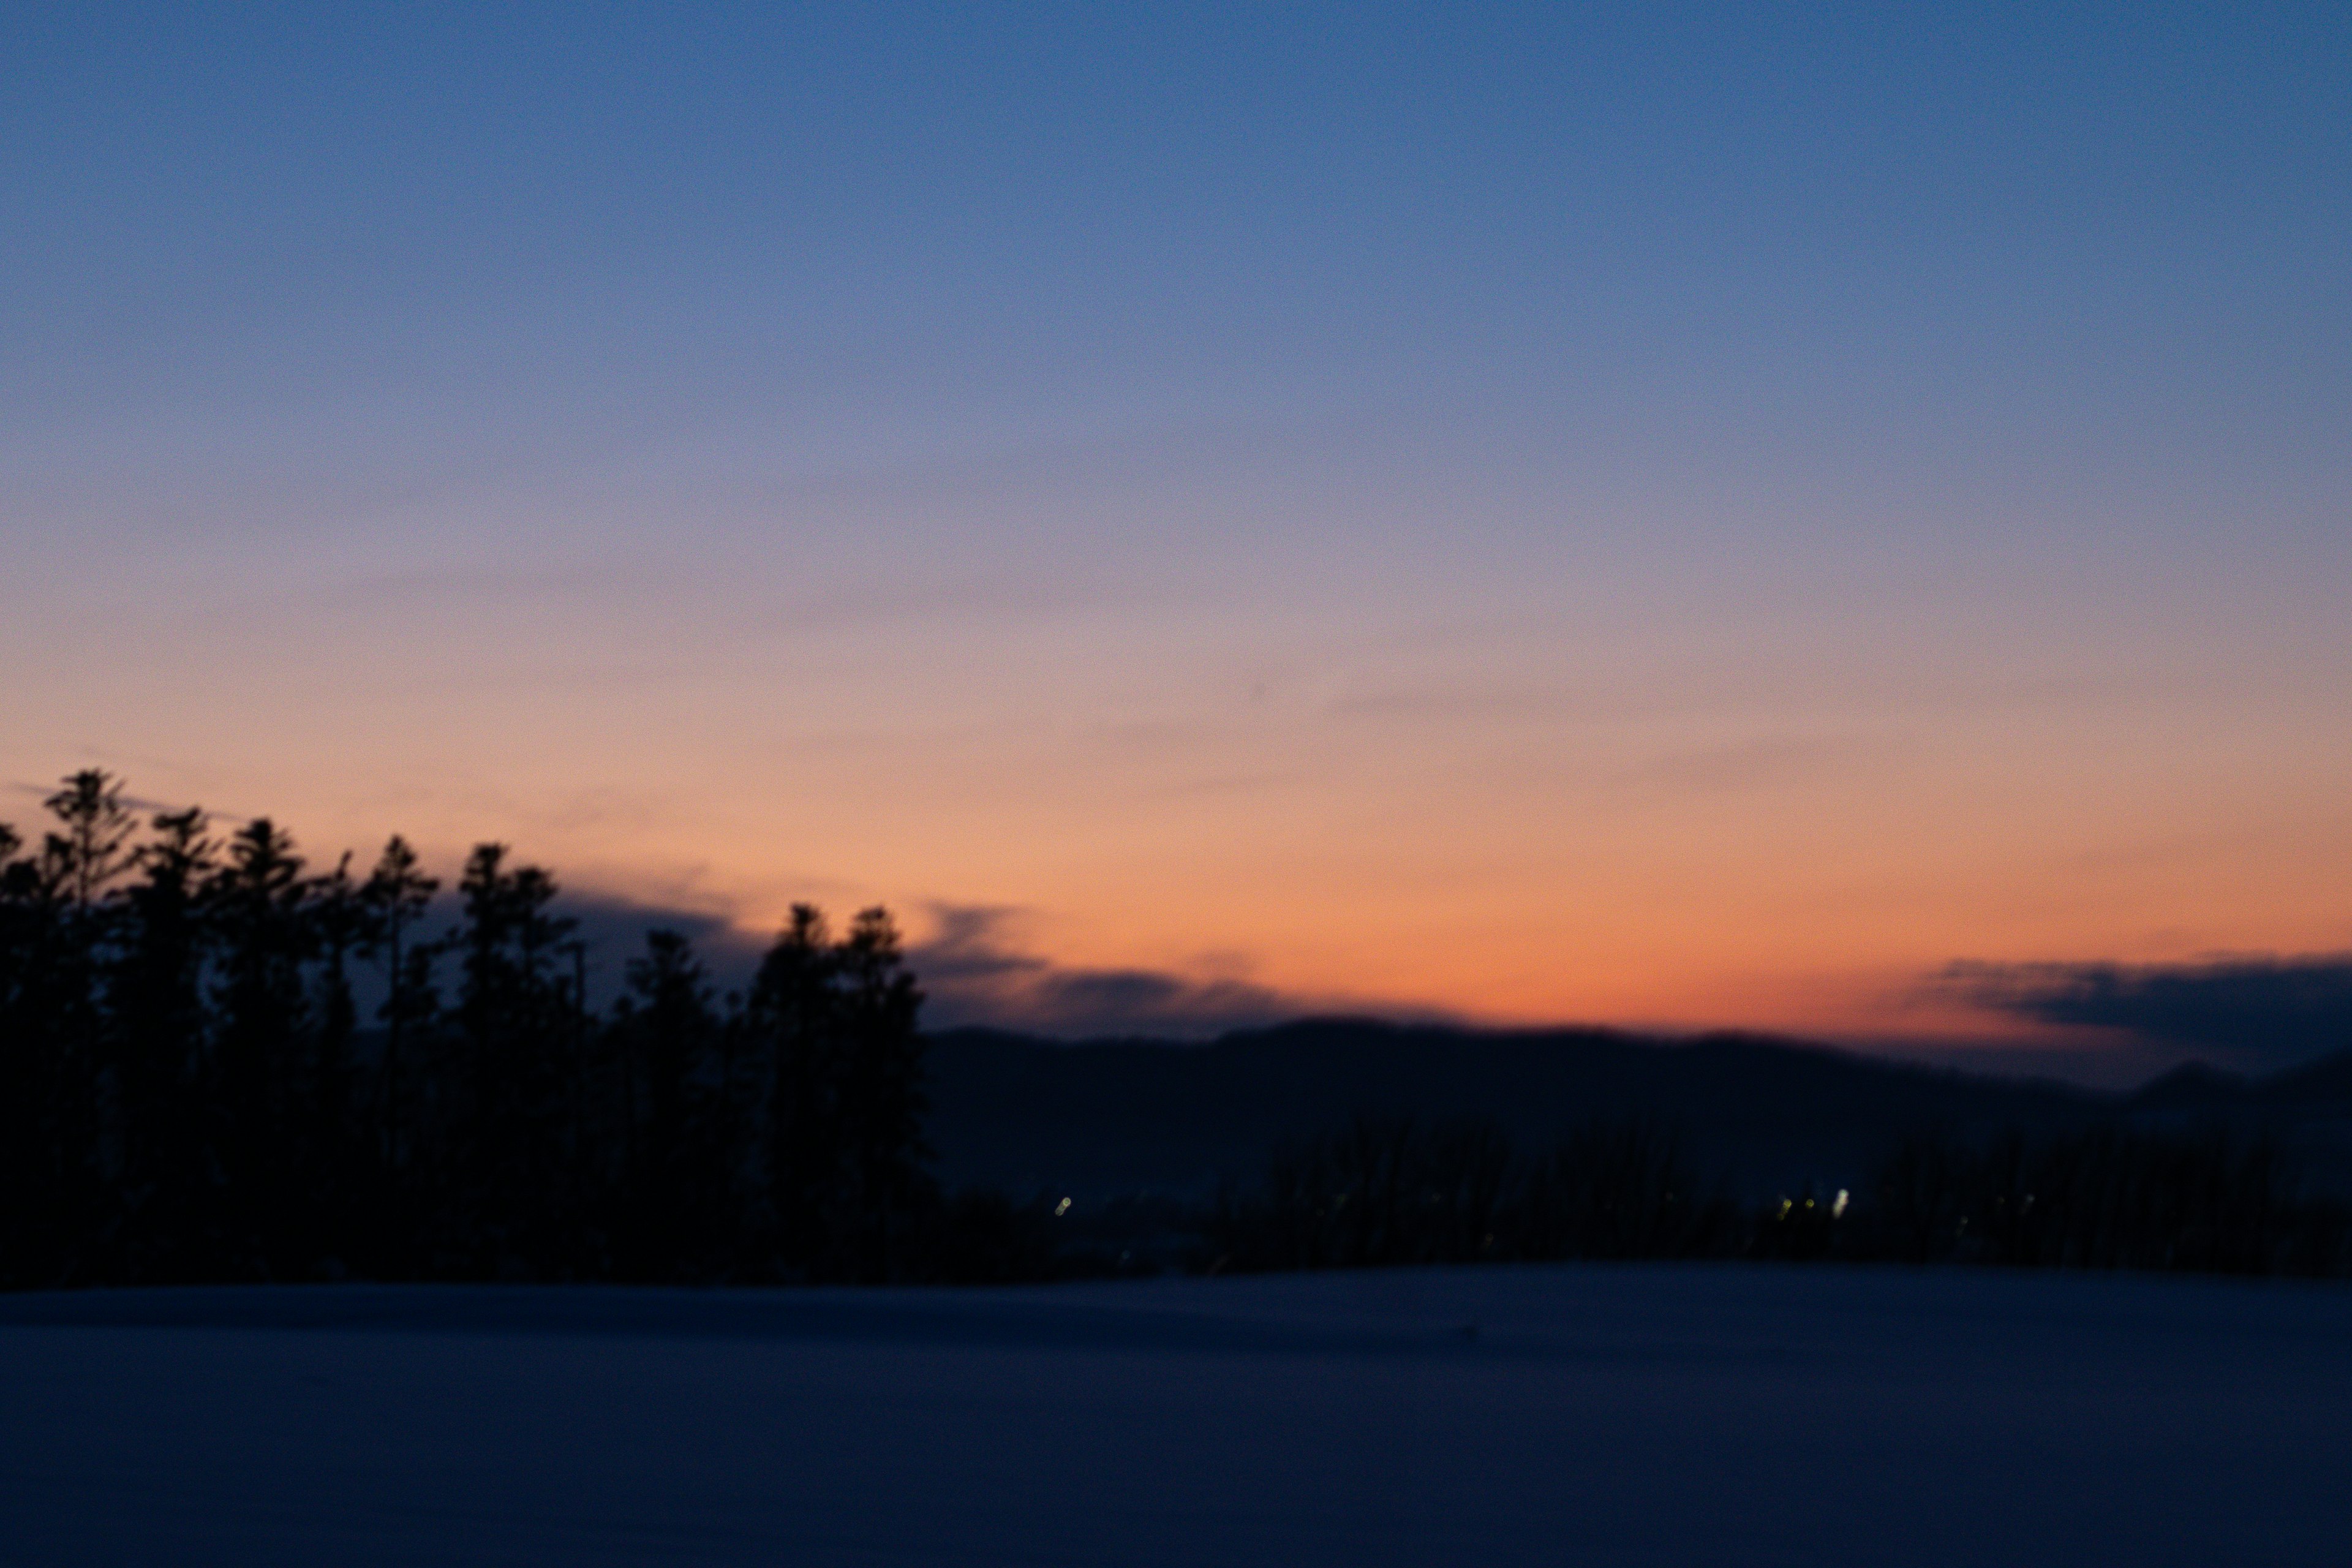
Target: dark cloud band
[
  {"x": 975, "y": 974},
  {"x": 2253, "y": 1013}
]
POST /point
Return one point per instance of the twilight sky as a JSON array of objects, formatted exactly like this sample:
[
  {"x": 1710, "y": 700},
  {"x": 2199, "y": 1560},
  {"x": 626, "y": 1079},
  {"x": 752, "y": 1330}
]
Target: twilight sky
[{"x": 1670, "y": 517}]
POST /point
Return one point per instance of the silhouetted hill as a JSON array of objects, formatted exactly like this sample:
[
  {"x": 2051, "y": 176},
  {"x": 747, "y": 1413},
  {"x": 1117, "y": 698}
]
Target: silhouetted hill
[
  {"x": 2306, "y": 1109},
  {"x": 1104, "y": 1118},
  {"x": 2194, "y": 1087},
  {"x": 2314, "y": 1085}
]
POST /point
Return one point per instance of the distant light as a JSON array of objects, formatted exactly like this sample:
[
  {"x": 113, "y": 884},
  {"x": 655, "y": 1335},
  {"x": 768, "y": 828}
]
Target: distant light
[
  {"x": 1062, "y": 1207},
  {"x": 1838, "y": 1208}
]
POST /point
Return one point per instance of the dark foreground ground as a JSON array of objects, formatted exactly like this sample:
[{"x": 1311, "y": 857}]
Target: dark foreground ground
[{"x": 1645, "y": 1415}]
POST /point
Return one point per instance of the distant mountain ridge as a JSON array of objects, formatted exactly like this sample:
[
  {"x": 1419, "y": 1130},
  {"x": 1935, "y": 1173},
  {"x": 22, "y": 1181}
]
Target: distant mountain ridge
[
  {"x": 1102, "y": 1118},
  {"x": 2308, "y": 1088}
]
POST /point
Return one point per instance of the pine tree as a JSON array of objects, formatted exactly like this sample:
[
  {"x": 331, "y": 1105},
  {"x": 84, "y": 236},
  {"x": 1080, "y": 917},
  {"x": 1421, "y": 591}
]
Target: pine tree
[
  {"x": 670, "y": 1034},
  {"x": 331, "y": 1147},
  {"x": 262, "y": 903},
  {"x": 32, "y": 1063},
  {"x": 159, "y": 1030},
  {"x": 792, "y": 1021},
  {"x": 79, "y": 865},
  {"x": 94, "y": 849},
  {"x": 511, "y": 1015},
  {"x": 396, "y": 896},
  {"x": 881, "y": 1098}
]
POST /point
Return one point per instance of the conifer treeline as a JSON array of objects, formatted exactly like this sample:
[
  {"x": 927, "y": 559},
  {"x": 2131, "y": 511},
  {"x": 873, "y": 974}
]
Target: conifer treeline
[{"x": 189, "y": 1089}]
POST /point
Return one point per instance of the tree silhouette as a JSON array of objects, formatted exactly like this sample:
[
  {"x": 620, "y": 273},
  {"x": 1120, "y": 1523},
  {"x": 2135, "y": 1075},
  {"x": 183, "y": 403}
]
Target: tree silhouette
[
  {"x": 668, "y": 1035},
  {"x": 78, "y": 865},
  {"x": 94, "y": 847},
  {"x": 510, "y": 1013},
  {"x": 792, "y": 1021},
  {"x": 330, "y": 1146},
  {"x": 159, "y": 1031},
  {"x": 261, "y": 906},
  {"x": 395, "y": 897},
  {"x": 880, "y": 1100},
  {"x": 41, "y": 995}
]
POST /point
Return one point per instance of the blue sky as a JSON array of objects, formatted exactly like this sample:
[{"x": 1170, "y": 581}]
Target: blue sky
[{"x": 963, "y": 228}]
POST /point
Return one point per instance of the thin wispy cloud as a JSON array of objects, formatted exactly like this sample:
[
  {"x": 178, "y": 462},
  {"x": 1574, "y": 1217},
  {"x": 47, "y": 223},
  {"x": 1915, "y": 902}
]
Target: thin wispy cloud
[
  {"x": 39, "y": 795},
  {"x": 1770, "y": 762}
]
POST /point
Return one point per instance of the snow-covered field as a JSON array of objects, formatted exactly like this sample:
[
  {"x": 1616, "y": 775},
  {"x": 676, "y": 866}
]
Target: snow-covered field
[{"x": 1494, "y": 1417}]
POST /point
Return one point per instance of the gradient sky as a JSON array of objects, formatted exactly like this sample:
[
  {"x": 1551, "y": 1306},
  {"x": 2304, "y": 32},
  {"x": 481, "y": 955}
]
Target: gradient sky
[{"x": 1675, "y": 517}]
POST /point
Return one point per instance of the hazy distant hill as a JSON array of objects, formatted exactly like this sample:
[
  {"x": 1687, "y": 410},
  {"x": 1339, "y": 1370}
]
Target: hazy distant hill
[
  {"x": 1102, "y": 1118},
  {"x": 2318, "y": 1089},
  {"x": 2307, "y": 1108}
]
